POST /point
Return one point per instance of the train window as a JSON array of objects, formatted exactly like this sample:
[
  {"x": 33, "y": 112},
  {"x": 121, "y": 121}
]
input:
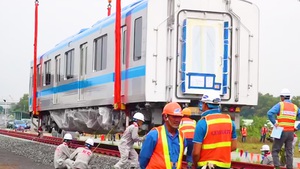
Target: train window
[
  {"x": 31, "y": 77},
  {"x": 100, "y": 57},
  {"x": 69, "y": 64},
  {"x": 47, "y": 73},
  {"x": 83, "y": 58},
  {"x": 57, "y": 68},
  {"x": 124, "y": 44},
  {"x": 137, "y": 55},
  {"x": 38, "y": 79}
]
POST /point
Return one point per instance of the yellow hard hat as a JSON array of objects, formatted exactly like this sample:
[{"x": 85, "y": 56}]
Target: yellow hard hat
[{"x": 187, "y": 112}]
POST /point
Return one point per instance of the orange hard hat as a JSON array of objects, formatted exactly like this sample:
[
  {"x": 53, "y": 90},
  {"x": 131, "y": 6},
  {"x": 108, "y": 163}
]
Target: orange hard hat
[
  {"x": 187, "y": 112},
  {"x": 172, "y": 109}
]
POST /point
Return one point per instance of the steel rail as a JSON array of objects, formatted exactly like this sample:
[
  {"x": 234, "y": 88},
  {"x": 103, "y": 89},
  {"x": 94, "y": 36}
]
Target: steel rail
[{"x": 111, "y": 150}]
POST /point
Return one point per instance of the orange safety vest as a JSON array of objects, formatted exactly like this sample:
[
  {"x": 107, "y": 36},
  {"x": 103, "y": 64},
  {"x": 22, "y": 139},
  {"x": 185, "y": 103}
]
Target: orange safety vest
[
  {"x": 287, "y": 116},
  {"x": 187, "y": 127},
  {"x": 160, "y": 158},
  {"x": 264, "y": 130},
  {"x": 216, "y": 146},
  {"x": 244, "y": 131}
]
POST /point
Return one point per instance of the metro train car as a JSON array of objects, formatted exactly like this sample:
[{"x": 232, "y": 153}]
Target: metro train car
[{"x": 171, "y": 50}]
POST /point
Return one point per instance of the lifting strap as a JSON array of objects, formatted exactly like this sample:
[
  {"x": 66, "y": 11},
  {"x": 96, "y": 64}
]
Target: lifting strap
[{"x": 109, "y": 8}]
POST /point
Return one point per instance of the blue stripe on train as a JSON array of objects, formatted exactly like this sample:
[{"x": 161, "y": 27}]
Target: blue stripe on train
[{"x": 95, "y": 81}]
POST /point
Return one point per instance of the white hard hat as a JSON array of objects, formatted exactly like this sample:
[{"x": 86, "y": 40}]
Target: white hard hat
[
  {"x": 68, "y": 136},
  {"x": 211, "y": 97},
  {"x": 90, "y": 141},
  {"x": 139, "y": 116},
  {"x": 265, "y": 125},
  {"x": 265, "y": 148},
  {"x": 285, "y": 92}
]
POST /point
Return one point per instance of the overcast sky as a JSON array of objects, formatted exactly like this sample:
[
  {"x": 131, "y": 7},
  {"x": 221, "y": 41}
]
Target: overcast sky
[{"x": 59, "y": 19}]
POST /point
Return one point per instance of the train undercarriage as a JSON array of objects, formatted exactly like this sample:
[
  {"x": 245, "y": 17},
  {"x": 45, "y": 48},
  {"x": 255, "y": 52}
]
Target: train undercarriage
[{"x": 103, "y": 120}]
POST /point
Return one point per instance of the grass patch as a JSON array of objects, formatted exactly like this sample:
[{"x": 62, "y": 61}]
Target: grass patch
[{"x": 253, "y": 145}]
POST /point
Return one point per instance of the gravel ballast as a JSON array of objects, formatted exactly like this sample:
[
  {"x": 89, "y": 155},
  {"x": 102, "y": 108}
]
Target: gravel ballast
[{"x": 43, "y": 153}]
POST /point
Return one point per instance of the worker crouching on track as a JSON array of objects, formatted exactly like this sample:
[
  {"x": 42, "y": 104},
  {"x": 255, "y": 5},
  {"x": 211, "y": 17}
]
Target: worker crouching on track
[
  {"x": 62, "y": 152},
  {"x": 82, "y": 156},
  {"x": 130, "y": 136},
  {"x": 164, "y": 145},
  {"x": 40, "y": 132},
  {"x": 215, "y": 135},
  {"x": 187, "y": 127},
  {"x": 267, "y": 158}
]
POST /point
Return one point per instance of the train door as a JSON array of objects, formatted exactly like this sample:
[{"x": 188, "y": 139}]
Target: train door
[
  {"x": 82, "y": 70},
  {"x": 31, "y": 90},
  {"x": 57, "y": 78},
  {"x": 204, "y": 40},
  {"x": 124, "y": 62}
]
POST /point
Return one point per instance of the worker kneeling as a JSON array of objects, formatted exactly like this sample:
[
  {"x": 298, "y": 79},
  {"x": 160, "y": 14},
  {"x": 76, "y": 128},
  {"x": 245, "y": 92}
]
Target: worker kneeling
[
  {"x": 81, "y": 157},
  {"x": 266, "y": 155},
  {"x": 130, "y": 136},
  {"x": 62, "y": 152}
]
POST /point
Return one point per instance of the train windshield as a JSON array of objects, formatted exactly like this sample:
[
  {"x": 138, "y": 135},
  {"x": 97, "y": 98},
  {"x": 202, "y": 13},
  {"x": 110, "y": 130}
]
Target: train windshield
[{"x": 205, "y": 52}]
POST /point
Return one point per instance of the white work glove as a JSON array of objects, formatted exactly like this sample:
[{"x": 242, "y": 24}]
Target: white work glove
[{"x": 208, "y": 166}]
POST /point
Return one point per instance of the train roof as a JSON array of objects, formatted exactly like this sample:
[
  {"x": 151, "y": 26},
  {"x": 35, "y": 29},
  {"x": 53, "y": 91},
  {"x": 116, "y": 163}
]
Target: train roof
[{"x": 126, "y": 11}]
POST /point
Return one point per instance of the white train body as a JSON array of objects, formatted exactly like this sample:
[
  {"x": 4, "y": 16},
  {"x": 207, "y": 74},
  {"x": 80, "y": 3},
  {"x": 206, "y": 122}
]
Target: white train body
[{"x": 172, "y": 50}]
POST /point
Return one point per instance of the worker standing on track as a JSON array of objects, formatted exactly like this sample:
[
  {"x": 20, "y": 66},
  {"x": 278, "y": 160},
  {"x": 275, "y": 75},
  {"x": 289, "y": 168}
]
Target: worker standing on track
[
  {"x": 81, "y": 157},
  {"x": 187, "y": 127},
  {"x": 164, "y": 145},
  {"x": 286, "y": 113},
  {"x": 215, "y": 135},
  {"x": 62, "y": 152},
  {"x": 129, "y": 137}
]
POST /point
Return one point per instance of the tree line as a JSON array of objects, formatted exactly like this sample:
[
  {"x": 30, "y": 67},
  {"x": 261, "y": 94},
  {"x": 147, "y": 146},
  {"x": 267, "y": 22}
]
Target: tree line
[
  {"x": 265, "y": 103},
  {"x": 21, "y": 106}
]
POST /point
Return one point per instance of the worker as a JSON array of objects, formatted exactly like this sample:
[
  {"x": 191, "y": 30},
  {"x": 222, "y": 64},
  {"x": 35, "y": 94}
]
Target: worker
[
  {"x": 294, "y": 143},
  {"x": 164, "y": 145},
  {"x": 62, "y": 152},
  {"x": 187, "y": 127},
  {"x": 286, "y": 113},
  {"x": 81, "y": 157},
  {"x": 266, "y": 155},
  {"x": 244, "y": 133},
  {"x": 269, "y": 138},
  {"x": 215, "y": 135},
  {"x": 129, "y": 137},
  {"x": 40, "y": 132},
  {"x": 263, "y": 133}
]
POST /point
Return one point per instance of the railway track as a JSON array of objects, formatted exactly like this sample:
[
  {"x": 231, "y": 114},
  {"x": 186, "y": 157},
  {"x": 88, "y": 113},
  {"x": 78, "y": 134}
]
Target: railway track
[{"x": 109, "y": 150}]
